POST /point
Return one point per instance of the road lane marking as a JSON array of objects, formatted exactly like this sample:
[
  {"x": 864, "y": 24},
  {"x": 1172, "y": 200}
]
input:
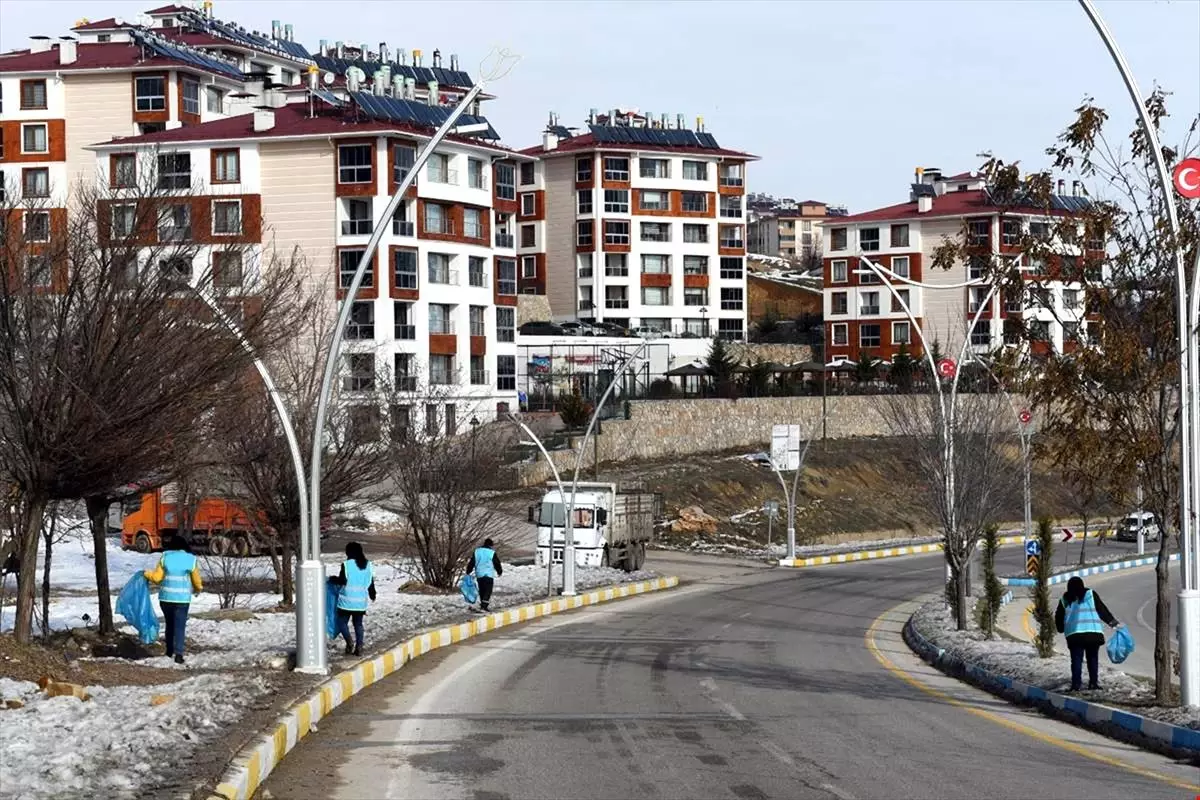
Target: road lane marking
[
  {"x": 709, "y": 687},
  {"x": 916, "y": 683}
]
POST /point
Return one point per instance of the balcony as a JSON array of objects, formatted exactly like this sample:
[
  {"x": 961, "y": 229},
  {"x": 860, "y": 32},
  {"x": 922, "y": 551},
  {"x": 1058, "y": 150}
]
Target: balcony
[
  {"x": 732, "y": 180},
  {"x": 406, "y": 383},
  {"x": 405, "y": 280},
  {"x": 444, "y": 277},
  {"x": 477, "y": 278},
  {"x": 402, "y": 227},
  {"x": 659, "y": 236},
  {"x": 477, "y": 181},
  {"x": 732, "y": 211},
  {"x": 356, "y": 227},
  {"x": 446, "y": 176},
  {"x": 479, "y": 377},
  {"x": 473, "y": 230},
  {"x": 612, "y": 302},
  {"x": 733, "y": 244},
  {"x": 695, "y": 206},
  {"x": 504, "y": 240},
  {"x": 443, "y": 327},
  {"x": 478, "y": 328},
  {"x": 868, "y": 311},
  {"x": 439, "y": 225},
  {"x": 406, "y": 332}
]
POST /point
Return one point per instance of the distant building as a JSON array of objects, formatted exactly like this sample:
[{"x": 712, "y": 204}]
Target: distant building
[{"x": 788, "y": 229}]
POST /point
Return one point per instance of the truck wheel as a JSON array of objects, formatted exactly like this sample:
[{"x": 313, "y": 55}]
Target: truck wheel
[
  {"x": 629, "y": 558},
  {"x": 218, "y": 545},
  {"x": 241, "y": 546},
  {"x": 639, "y": 556},
  {"x": 141, "y": 543}
]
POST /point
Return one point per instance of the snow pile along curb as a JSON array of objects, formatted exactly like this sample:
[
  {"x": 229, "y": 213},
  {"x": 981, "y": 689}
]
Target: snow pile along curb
[
  {"x": 257, "y": 761},
  {"x": 1175, "y": 740},
  {"x": 863, "y": 555},
  {"x": 1112, "y": 566}
]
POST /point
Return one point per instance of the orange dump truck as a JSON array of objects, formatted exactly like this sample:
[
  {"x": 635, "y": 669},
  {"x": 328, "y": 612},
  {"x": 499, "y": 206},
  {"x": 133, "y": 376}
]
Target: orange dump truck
[{"x": 219, "y": 526}]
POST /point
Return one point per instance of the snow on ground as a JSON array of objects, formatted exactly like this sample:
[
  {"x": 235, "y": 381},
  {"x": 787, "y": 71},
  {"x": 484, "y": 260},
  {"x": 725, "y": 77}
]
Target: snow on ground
[
  {"x": 115, "y": 744},
  {"x": 1019, "y": 660},
  {"x": 375, "y": 515}
]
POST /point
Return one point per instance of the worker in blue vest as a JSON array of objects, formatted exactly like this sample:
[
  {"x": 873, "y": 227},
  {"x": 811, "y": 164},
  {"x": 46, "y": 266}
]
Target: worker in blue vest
[
  {"x": 1082, "y": 615},
  {"x": 486, "y": 565},
  {"x": 357, "y": 580},
  {"x": 178, "y": 576}
]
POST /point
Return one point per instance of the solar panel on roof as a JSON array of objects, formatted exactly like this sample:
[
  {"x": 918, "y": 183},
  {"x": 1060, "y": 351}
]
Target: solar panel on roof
[
  {"x": 329, "y": 97},
  {"x": 167, "y": 50},
  {"x": 397, "y": 110}
]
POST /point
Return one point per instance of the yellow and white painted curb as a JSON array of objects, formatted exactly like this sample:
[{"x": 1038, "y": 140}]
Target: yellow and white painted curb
[
  {"x": 255, "y": 762},
  {"x": 865, "y": 555}
]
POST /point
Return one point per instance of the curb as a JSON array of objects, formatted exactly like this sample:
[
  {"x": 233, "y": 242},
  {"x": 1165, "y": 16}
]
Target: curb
[
  {"x": 1174, "y": 740},
  {"x": 1112, "y": 566},
  {"x": 256, "y": 761},
  {"x": 865, "y": 555}
]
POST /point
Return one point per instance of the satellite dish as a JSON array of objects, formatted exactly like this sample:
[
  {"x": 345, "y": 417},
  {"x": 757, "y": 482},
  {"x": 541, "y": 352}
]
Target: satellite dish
[{"x": 327, "y": 79}]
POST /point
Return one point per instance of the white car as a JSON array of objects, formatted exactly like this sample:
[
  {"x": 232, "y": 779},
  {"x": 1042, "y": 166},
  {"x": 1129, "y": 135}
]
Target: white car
[
  {"x": 1127, "y": 529},
  {"x": 651, "y": 333}
]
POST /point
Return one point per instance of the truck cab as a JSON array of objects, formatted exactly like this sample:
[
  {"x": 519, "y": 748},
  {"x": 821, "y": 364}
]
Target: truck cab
[{"x": 610, "y": 527}]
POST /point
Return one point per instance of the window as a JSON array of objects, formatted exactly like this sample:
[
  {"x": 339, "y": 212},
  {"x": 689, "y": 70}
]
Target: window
[
  {"x": 475, "y": 318},
  {"x": 900, "y": 266},
  {"x": 838, "y": 303},
  {"x": 475, "y": 176},
  {"x": 730, "y": 174},
  {"x": 528, "y": 204},
  {"x": 731, "y": 268},
  {"x": 404, "y": 269},
  {"x": 151, "y": 127},
  {"x": 1039, "y": 231},
  {"x": 1010, "y": 232},
  {"x": 150, "y": 93},
  {"x": 402, "y": 322},
  {"x": 37, "y": 226},
  {"x": 441, "y": 319},
  {"x": 977, "y": 297},
  {"x": 214, "y": 100},
  {"x": 656, "y": 296},
  {"x": 226, "y": 166},
  {"x": 361, "y": 325},
  {"x": 695, "y": 171},
  {"x": 585, "y": 265},
  {"x": 584, "y": 199},
  {"x": 897, "y": 305},
  {"x": 177, "y": 268},
  {"x": 869, "y": 304},
  {"x": 731, "y": 299},
  {"x": 175, "y": 223},
  {"x": 358, "y": 220},
  {"x": 401, "y": 420},
  {"x": 1042, "y": 298},
  {"x": 34, "y": 138},
  {"x": 901, "y": 333},
  {"x": 585, "y": 298},
  {"x": 654, "y": 201},
  {"x": 472, "y": 223},
  {"x": 840, "y": 334},
  {"x": 1039, "y": 331},
  {"x": 616, "y": 232},
  {"x": 981, "y": 334},
  {"x": 616, "y": 297},
  {"x": 616, "y": 168},
  {"x": 478, "y": 369},
  {"x": 360, "y": 372},
  {"x": 441, "y": 372},
  {"x": 348, "y": 264},
  {"x": 506, "y": 277},
  {"x": 1071, "y": 300},
  {"x": 1012, "y": 301},
  {"x": 839, "y": 270},
  {"x": 527, "y": 173},
  {"x": 694, "y": 202},
  {"x": 124, "y": 220},
  {"x": 227, "y": 269},
  {"x": 439, "y": 169},
  {"x": 366, "y": 423},
  {"x": 33, "y": 94},
  {"x": 175, "y": 171},
  {"x": 583, "y": 233},
  {"x": 124, "y": 170},
  {"x": 977, "y": 232},
  {"x": 124, "y": 270},
  {"x": 899, "y": 235},
  {"x": 189, "y": 90},
  {"x": 730, "y": 330},
  {"x": 695, "y": 265},
  {"x": 868, "y": 336},
  {"x": 476, "y": 275},
  {"x": 1074, "y": 332},
  {"x": 731, "y": 206},
  {"x": 506, "y": 323},
  {"x": 695, "y": 234},
  {"x": 868, "y": 239},
  {"x": 403, "y": 158},
  {"x": 616, "y": 201},
  {"x": 695, "y": 297},
  {"x": 654, "y": 167},
  {"x": 529, "y": 267},
  {"x": 439, "y": 269},
  {"x": 837, "y": 239},
  {"x": 437, "y": 220},
  {"x": 35, "y": 182},
  {"x": 528, "y": 236},
  {"x": 977, "y": 267},
  {"x": 616, "y": 265},
  {"x": 227, "y": 217},
  {"x": 656, "y": 265},
  {"x": 354, "y": 163},
  {"x": 506, "y": 182},
  {"x": 431, "y": 419},
  {"x": 583, "y": 169},
  {"x": 656, "y": 231},
  {"x": 506, "y": 373}
]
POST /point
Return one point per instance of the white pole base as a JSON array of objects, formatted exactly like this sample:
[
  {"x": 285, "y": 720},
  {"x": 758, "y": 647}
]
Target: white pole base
[
  {"x": 1189, "y": 648},
  {"x": 791, "y": 546},
  {"x": 568, "y": 571},
  {"x": 311, "y": 653}
]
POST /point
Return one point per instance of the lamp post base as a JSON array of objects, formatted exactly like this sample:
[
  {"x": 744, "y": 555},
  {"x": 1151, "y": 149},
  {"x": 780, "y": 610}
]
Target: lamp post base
[
  {"x": 568, "y": 589},
  {"x": 791, "y": 543},
  {"x": 311, "y": 653},
  {"x": 1189, "y": 648}
]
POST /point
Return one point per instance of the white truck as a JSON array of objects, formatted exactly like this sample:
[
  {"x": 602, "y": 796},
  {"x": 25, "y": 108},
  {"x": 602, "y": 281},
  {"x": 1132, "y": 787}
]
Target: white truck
[{"x": 612, "y": 527}]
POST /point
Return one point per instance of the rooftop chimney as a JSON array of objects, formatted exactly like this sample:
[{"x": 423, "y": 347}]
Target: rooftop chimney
[
  {"x": 39, "y": 44},
  {"x": 410, "y": 88},
  {"x": 433, "y": 93},
  {"x": 68, "y": 50},
  {"x": 663, "y": 121},
  {"x": 323, "y": 49},
  {"x": 276, "y": 29},
  {"x": 314, "y": 77},
  {"x": 549, "y": 141},
  {"x": 287, "y": 32},
  {"x": 1075, "y": 188},
  {"x": 592, "y": 117},
  {"x": 341, "y": 49},
  {"x": 700, "y": 124},
  {"x": 1062, "y": 186},
  {"x": 437, "y": 58},
  {"x": 454, "y": 61},
  {"x": 679, "y": 121},
  {"x": 383, "y": 52},
  {"x": 924, "y": 204},
  {"x": 264, "y": 118},
  {"x": 416, "y": 58},
  {"x": 402, "y": 57}
]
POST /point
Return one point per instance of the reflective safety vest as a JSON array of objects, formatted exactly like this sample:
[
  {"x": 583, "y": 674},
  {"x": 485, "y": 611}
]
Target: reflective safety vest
[
  {"x": 1082, "y": 617},
  {"x": 354, "y": 594},
  {"x": 177, "y": 581},
  {"x": 484, "y": 568}
]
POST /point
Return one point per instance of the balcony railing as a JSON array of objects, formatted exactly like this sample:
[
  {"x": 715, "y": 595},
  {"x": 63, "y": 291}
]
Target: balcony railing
[
  {"x": 447, "y": 176},
  {"x": 443, "y": 328},
  {"x": 356, "y": 227},
  {"x": 732, "y": 180},
  {"x": 402, "y": 227},
  {"x": 445, "y": 277},
  {"x": 477, "y": 181},
  {"x": 868, "y": 311},
  {"x": 661, "y": 236},
  {"x": 478, "y": 329},
  {"x": 442, "y": 225},
  {"x": 405, "y": 280},
  {"x": 406, "y": 332},
  {"x": 479, "y": 377},
  {"x": 504, "y": 240},
  {"x": 612, "y": 302},
  {"x": 695, "y": 206},
  {"x": 733, "y": 243},
  {"x": 477, "y": 277},
  {"x": 732, "y": 211},
  {"x": 473, "y": 230},
  {"x": 406, "y": 383},
  {"x": 586, "y": 272},
  {"x": 360, "y": 331}
]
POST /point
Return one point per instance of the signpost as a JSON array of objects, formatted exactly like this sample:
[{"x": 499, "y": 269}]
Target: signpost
[
  {"x": 1067, "y": 535},
  {"x": 771, "y": 509},
  {"x": 947, "y": 368},
  {"x": 785, "y": 456},
  {"x": 1033, "y": 557},
  {"x": 1187, "y": 178}
]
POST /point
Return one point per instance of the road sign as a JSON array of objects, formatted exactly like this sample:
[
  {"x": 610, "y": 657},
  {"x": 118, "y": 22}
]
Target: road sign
[
  {"x": 771, "y": 507},
  {"x": 1067, "y": 535},
  {"x": 1033, "y": 547},
  {"x": 1025, "y": 416},
  {"x": 785, "y": 447},
  {"x": 1031, "y": 565},
  {"x": 946, "y": 367},
  {"x": 1187, "y": 178}
]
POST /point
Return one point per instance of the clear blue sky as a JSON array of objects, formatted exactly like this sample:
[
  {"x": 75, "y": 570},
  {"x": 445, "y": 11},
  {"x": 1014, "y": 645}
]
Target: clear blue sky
[{"x": 840, "y": 99}]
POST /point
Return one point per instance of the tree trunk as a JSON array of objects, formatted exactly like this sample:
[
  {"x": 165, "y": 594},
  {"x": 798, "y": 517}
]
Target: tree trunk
[
  {"x": 1083, "y": 544},
  {"x": 1162, "y": 623},
  {"x": 46, "y": 581},
  {"x": 97, "y": 511},
  {"x": 960, "y": 599},
  {"x": 35, "y": 509}
]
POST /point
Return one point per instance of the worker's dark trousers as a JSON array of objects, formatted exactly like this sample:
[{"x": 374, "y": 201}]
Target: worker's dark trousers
[
  {"x": 175, "y": 616},
  {"x": 485, "y": 591}
]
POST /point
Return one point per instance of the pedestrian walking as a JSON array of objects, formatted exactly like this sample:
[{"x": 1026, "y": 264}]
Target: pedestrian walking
[
  {"x": 486, "y": 566},
  {"x": 178, "y": 576},
  {"x": 357, "y": 580},
  {"x": 1081, "y": 615}
]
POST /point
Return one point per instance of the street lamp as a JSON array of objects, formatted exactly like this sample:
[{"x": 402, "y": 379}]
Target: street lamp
[{"x": 703, "y": 322}]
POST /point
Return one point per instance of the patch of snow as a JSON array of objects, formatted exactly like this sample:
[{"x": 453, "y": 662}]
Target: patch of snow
[{"x": 376, "y": 516}]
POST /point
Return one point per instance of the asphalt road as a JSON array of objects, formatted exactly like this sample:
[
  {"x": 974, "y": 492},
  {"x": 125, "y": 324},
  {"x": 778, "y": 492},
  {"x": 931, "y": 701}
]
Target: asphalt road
[
  {"x": 1130, "y": 596},
  {"x": 763, "y": 684}
]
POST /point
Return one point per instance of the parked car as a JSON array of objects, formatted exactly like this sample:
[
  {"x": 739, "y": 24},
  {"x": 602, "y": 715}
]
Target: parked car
[
  {"x": 541, "y": 329},
  {"x": 578, "y": 329},
  {"x": 1127, "y": 529},
  {"x": 651, "y": 333},
  {"x": 610, "y": 329}
]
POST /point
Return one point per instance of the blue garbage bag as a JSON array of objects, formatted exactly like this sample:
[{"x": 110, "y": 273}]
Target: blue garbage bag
[
  {"x": 332, "y": 591},
  {"x": 469, "y": 588},
  {"x": 1120, "y": 645},
  {"x": 133, "y": 603}
]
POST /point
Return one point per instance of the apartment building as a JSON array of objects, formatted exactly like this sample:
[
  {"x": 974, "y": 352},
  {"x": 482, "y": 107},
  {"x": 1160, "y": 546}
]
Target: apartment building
[
  {"x": 789, "y": 229},
  {"x": 862, "y": 316},
  {"x": 638, "y": 222}
]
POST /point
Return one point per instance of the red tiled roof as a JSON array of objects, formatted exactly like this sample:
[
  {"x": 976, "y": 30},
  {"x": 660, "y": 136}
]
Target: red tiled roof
[
  {"x": 102, "y": 25},
  {"x": 291, "y": 120},
  {"x": 89, "y": 55},
  {"x": 950, "y": 204},
  {"x": 964, "y": 176},
  {"x": 587, "y": 142},
  {"x": 171, "y": 9}
]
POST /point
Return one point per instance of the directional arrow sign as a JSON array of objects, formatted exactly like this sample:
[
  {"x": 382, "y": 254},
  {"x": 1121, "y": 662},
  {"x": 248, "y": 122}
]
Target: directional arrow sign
[
  {"x": 1031, "y": 565},
  {"x": 1033, "y": 547},
  {"x": 1067, "y": 535}
]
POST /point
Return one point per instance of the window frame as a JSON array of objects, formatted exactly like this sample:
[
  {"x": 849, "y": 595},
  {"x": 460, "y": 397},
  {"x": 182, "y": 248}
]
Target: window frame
[
  {"x": 862, "y": 337},
  {"x": 839, "y": 303},
  {"x": 900, "y": 241},
  {"x": 643, "y": 161},
  {"x": 402, "y": 275},
  {"x": 732, "y": 298},
  {"x": 615, "y": 237},
  {"x": 43, "y": 229},
  {"x": 844, "y": 329},
  {"x": 582, "y": 207},
  {"x": 616, "y": 205},
  {"x": 583, "y": 169},
  {"x": 506, "y": 276},
  {"x": 839, "y": 233},
  {"x": 220, "y": 165},
  {"x": 34, "y": 84},
  {"x": 528, "y": 204},
  {"x": 176, "y": 233},
  {"x": 702, "y": 169},
  {"x": 907, "y": 340},
  {"x": 506, "y": 324},
  {"x": 355, "y": 171},
  {"x": 584, "y": 233},
  {"x": 220, "y": 279},
  {"x": 865, "y": 241},
  {"x": 173, "y": 178},
  {"x": 185, "y": 83},
  {"x": 844, "y": 265},
  {"x": 506, "y": 181},
  {"x": 346, "y": 270},
  {"x": 28, "y": 127},
  {"x": 227, "y": 202},
  {"x": 614, "y": 173},
  {"x": 906, "y": 260},
  {"x": 43, "y": 190},
  {"x": 153, "y": 101}
]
